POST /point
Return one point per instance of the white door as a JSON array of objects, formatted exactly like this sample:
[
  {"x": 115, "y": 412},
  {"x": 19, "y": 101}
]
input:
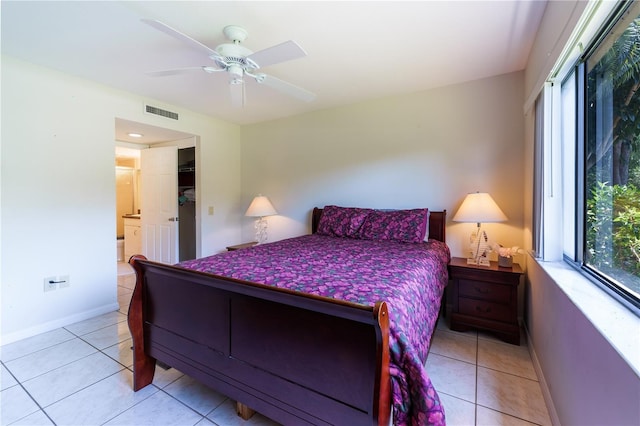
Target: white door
[{"x": 159, "y": 203}]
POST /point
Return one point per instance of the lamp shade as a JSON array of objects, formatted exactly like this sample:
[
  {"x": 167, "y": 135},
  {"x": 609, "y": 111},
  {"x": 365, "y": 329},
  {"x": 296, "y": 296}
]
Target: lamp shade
[
  {"x": 260, "y": 206},
  {"x": 479, "y": 207}
]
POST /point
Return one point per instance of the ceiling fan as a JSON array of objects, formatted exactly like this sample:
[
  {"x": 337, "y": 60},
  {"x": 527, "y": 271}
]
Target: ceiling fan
[{"x": 239, "y": 62}]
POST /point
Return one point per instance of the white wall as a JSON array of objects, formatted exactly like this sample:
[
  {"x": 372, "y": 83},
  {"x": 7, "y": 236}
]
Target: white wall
[
  {"x": 588, "y": 381},
  {"x": 426, "y": 149},
  {"x": 58, "y": 193}
]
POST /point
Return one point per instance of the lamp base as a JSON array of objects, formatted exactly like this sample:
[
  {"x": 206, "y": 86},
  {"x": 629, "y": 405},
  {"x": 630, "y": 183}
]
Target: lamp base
[
  {"x": 481, "y": 261},
  {"x": 261, "y": 230},
  {"x": 479, "y": 247}
]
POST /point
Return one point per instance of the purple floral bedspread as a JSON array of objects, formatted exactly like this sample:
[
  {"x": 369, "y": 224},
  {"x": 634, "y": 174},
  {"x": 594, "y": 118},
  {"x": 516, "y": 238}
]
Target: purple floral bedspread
[{"x": 410, "y": 277}]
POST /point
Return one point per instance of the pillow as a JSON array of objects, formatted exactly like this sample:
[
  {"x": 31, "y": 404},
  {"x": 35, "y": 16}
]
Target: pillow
[
  {"x": 409, "y": 226},
  {"x": 342, "y": 221}
]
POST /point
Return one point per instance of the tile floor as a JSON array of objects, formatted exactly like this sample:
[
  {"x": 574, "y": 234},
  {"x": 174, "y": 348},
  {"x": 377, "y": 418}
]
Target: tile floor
[{"x": 81, "y": 375}]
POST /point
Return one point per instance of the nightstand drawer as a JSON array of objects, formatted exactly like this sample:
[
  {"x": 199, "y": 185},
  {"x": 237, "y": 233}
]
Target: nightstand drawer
[
  {"x": 484, "y": 290},
  {"x": 480, "y": 308}
]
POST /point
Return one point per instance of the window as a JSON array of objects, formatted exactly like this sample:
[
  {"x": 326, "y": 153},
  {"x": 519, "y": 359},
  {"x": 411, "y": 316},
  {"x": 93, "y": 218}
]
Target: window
[
  {"x": 568, "y": 92},
  {"x": 598, "y": 122}
]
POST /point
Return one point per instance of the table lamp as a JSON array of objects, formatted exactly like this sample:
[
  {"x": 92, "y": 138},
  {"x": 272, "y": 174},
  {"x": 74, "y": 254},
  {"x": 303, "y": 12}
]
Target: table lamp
[
  {"x": 480, "y": 208},
  {"x": 261, "y": 207}
]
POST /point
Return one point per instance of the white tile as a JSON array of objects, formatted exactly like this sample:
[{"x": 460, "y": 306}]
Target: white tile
[
  {"x": 45, "y": 360},
  {"x": 456, "y": 378},
  {"x": 15, "y": 404},
  {"x": 205, "y": 422},
  {"x": 158, "y": 409},
  {"x": 62, "y": 382},
  {"x": 124, "y": 299},
  {"x": 33, "y": 344},
  {"x": 6, "y": 379},
  {"x": 458, "y": 412},
  {"x": 226, "y": 415},
  {"x": 125, "y": 269},
  {"x": 93, "y": 389},
  {"x": 195, "y": 395},
  {"x": 488, "y": 335},
  {"x": 489, "y": 417},
  {"x": 39, "y": 418},
  {"x": 108, "y": 336},
  {"x": 441, "y": 324},
  {"x": 124, "y": 294},
  {"x": 469, "y": 333},
  {"x": 121, "y": 352},
  {"x": 163, "y": 378},
  {"x": 513, "y": 395},
  {"x": 126, "y": 281},
  {"x": 99, "y": 402},
  {"x": 94, "y": 324},
  {"x": 506, "y": 358},
  {"x": 454, "y": 345}
]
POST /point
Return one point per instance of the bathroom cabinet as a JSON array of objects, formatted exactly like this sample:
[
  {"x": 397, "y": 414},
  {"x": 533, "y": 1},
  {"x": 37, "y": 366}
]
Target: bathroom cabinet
[{"x": 132, "y": 237}]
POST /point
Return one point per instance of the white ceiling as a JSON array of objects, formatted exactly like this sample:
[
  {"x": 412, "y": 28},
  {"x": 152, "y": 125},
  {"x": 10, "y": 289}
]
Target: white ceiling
[{"x": 356, "y": 50}]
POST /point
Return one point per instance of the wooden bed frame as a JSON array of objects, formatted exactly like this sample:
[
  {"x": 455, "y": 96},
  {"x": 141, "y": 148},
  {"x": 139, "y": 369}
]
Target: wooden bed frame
[{"x": 296, "y": 358}]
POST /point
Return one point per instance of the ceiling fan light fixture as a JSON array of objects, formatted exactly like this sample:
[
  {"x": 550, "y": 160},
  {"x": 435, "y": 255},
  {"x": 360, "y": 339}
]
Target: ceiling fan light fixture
[{"x": 235, "y": 72}]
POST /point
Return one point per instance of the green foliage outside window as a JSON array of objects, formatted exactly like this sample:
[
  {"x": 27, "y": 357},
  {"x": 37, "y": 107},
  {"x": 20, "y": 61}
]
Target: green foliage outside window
[
  {"x": 613, "y": 233},
  {"x": 613, "y": 161}
]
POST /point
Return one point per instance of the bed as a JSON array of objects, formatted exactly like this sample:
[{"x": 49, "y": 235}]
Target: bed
[{"x": 300, "y": 330}]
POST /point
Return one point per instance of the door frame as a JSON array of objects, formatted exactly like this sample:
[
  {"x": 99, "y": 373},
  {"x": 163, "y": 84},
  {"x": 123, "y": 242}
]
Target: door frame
[{"x": 162, "y": 136}]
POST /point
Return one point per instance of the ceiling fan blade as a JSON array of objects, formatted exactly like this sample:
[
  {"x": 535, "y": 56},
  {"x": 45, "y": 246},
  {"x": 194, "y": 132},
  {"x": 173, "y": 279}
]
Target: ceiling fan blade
[
  {"x": 182, "y": 37},
  {"x": 237, "y": 94},
  {"x": 279, "y": 53},
  {"x": 286, "y": 88}
]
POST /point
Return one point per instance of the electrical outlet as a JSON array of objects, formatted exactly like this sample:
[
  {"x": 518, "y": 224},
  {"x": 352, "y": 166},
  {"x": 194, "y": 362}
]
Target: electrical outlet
[
  {"x": 210, "y": 210},
  {"x": 59, "y": 281},
  {"x": 50, "y": 284}
]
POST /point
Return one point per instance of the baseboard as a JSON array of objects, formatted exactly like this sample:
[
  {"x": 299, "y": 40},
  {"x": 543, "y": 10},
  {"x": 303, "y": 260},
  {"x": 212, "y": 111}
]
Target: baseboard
[
  {"x": 543, "y": 383},
  {"x": 52, "y": 325}
]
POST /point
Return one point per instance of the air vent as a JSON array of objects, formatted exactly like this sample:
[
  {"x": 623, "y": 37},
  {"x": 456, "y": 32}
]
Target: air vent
[{"x": 162, "y": 112}]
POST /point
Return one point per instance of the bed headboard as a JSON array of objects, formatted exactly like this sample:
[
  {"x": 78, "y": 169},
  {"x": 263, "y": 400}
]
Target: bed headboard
[{"x": 437, "y": 223}]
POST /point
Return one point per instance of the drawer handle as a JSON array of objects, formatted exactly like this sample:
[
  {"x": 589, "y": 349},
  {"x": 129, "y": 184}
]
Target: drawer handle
[
  {"x": 484, "y": 311},
  {"x": 482, "y": 290}
]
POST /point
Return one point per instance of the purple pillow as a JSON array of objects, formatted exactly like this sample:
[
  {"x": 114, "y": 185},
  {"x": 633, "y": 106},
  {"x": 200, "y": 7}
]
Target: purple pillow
[
  {"x": 409, "y": 226},
  {"x": 342, "y": 221}
]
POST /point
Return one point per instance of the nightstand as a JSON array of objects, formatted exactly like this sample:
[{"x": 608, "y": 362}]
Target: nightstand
[
  {"x": 242, "y": 246},
  {"x": 485, "y": 298}
]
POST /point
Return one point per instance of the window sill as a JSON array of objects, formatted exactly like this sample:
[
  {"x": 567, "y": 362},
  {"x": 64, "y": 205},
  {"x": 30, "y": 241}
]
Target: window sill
[{"x": 617, "y": 324}]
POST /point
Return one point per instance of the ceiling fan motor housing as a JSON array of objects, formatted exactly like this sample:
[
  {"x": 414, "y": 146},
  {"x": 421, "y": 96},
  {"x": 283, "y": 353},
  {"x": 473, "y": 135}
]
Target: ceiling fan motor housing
[{"x": 234, "y": 54}]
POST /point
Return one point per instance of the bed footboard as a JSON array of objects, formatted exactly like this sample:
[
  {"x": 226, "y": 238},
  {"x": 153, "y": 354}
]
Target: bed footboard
[{"x": 296, "y": 358}]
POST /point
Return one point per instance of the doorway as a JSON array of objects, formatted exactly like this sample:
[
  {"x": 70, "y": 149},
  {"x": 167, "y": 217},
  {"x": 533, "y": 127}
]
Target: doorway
[
  {"x": 148, "y": 137},
  {"x": 187, "y": 203},
  {"x": 127, "y": 172}
]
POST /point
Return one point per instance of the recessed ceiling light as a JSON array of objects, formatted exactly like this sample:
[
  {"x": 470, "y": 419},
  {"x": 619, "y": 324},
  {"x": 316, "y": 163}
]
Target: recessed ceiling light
[{"x": 136, "y": 135}]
